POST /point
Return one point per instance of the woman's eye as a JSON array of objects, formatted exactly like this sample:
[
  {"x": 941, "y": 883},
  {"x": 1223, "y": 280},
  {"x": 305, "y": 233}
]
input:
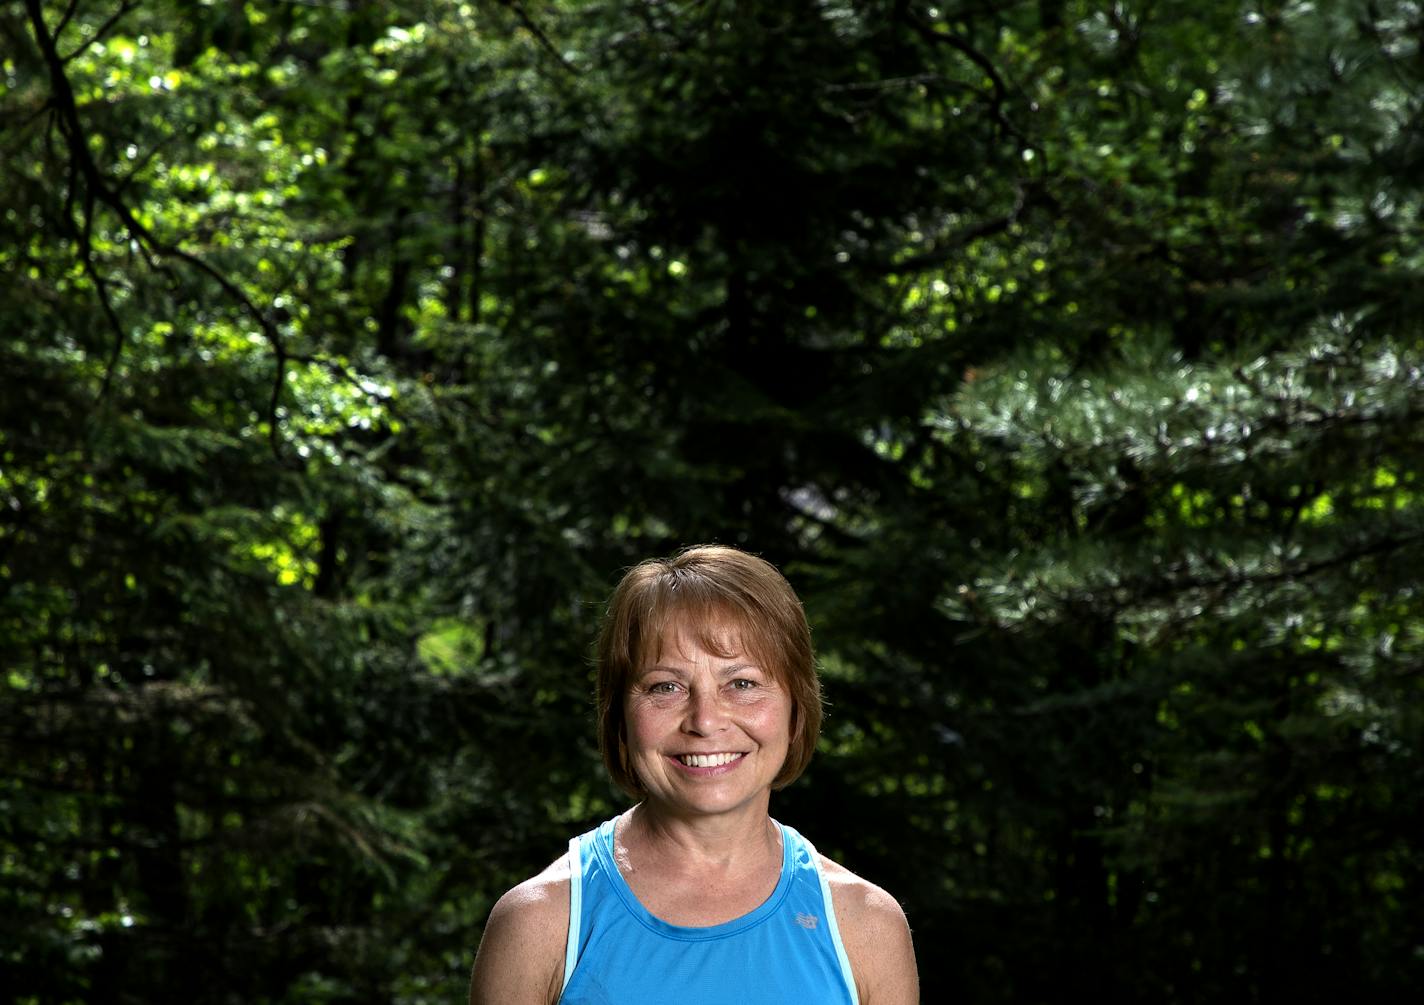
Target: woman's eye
[
  {"x": 663, "y": 687},
  {"x": 743, "y": 684}
]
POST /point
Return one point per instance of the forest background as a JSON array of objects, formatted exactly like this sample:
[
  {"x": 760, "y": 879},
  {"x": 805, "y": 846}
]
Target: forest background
[{"x": 1064, "y": 354}]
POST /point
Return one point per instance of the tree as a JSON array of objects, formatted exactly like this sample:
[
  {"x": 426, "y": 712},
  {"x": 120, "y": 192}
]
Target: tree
[{"x": 1065, "y": 357}]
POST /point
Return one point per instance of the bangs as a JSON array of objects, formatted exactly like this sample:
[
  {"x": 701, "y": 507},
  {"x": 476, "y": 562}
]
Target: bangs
[{"x": 684, "y": 603}]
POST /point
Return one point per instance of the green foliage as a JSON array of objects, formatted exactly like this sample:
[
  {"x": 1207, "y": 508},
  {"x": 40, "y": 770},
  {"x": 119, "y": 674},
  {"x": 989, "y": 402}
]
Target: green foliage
[{"x": 1065, "y": 356}]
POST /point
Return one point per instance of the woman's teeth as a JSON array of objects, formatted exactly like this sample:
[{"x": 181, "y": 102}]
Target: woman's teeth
[{"x": 707, "y": 760}]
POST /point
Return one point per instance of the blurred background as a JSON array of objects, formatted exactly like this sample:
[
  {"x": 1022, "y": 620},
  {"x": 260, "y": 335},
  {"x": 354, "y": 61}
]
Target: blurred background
[{"x": 1065, "y": 355}]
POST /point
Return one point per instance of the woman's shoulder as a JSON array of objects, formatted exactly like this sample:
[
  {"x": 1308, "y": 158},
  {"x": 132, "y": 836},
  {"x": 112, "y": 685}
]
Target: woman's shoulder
[
  {"x": 862, "y": 908},
  {"x": 521, "y": 954},
  {"x": 876, "y": 935},
  {"x": 539, "y": 895},
  {"x": 537, "y": 901}
]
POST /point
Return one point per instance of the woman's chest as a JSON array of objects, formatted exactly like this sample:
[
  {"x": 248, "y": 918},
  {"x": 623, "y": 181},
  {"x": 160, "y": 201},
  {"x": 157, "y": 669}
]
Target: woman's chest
[{"x": 704, "y": 902}]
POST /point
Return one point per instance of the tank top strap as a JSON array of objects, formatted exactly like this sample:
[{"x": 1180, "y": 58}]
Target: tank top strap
[{"x": 806, "y": 855}]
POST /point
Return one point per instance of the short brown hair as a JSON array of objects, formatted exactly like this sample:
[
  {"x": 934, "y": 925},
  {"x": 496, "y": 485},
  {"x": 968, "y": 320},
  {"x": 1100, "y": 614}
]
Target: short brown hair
[{"x": 708, "y": 585}]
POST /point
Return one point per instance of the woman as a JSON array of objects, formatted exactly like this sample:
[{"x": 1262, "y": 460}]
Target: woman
[{"x": 707, "y": 701}]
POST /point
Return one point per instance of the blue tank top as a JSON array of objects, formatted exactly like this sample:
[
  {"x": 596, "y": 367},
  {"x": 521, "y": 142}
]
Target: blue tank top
[{"x": 786, "y": 950}]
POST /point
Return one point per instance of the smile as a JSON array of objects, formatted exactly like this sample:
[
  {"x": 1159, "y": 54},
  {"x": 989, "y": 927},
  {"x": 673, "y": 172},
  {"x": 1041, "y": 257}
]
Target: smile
[{"x": 707, "y": 760}]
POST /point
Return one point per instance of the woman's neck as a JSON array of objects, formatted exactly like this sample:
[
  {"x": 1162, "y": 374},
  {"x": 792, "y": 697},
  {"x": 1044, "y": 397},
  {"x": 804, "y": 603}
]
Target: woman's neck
[
  {"x": 698, "y": 872},
  {"x": 648, "y": 836}
]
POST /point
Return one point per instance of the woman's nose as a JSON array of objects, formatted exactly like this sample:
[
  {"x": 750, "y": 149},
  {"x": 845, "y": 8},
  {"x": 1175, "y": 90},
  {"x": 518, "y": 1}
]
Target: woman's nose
[{"x": 705, "y": 713}]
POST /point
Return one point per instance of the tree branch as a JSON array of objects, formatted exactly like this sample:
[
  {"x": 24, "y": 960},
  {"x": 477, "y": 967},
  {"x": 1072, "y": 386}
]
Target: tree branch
[
  {"x": 519, "y": 12},
  {"x": 99, "y": 35},
  {"x": 97, "y": 189},
  {"x": 64, "y": 21},
  {"x": 946, "y": 248},
  {"x": 996, "y": 80}
]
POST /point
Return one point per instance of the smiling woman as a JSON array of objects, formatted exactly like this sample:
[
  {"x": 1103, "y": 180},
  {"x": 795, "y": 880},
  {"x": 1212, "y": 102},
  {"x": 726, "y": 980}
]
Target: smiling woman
[{"x": 708, "y": 700}]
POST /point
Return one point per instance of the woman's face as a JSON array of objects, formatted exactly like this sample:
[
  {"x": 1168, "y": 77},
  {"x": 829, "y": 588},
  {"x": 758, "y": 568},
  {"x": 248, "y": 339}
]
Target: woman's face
[{"x": 707, "y": 734}]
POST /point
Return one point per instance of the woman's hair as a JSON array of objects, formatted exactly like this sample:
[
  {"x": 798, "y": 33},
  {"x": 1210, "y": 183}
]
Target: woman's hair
[{"x": 716, "y": 594}]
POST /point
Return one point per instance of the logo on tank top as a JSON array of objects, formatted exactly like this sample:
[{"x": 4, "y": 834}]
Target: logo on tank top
[{"x": 807, "y": 921}]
